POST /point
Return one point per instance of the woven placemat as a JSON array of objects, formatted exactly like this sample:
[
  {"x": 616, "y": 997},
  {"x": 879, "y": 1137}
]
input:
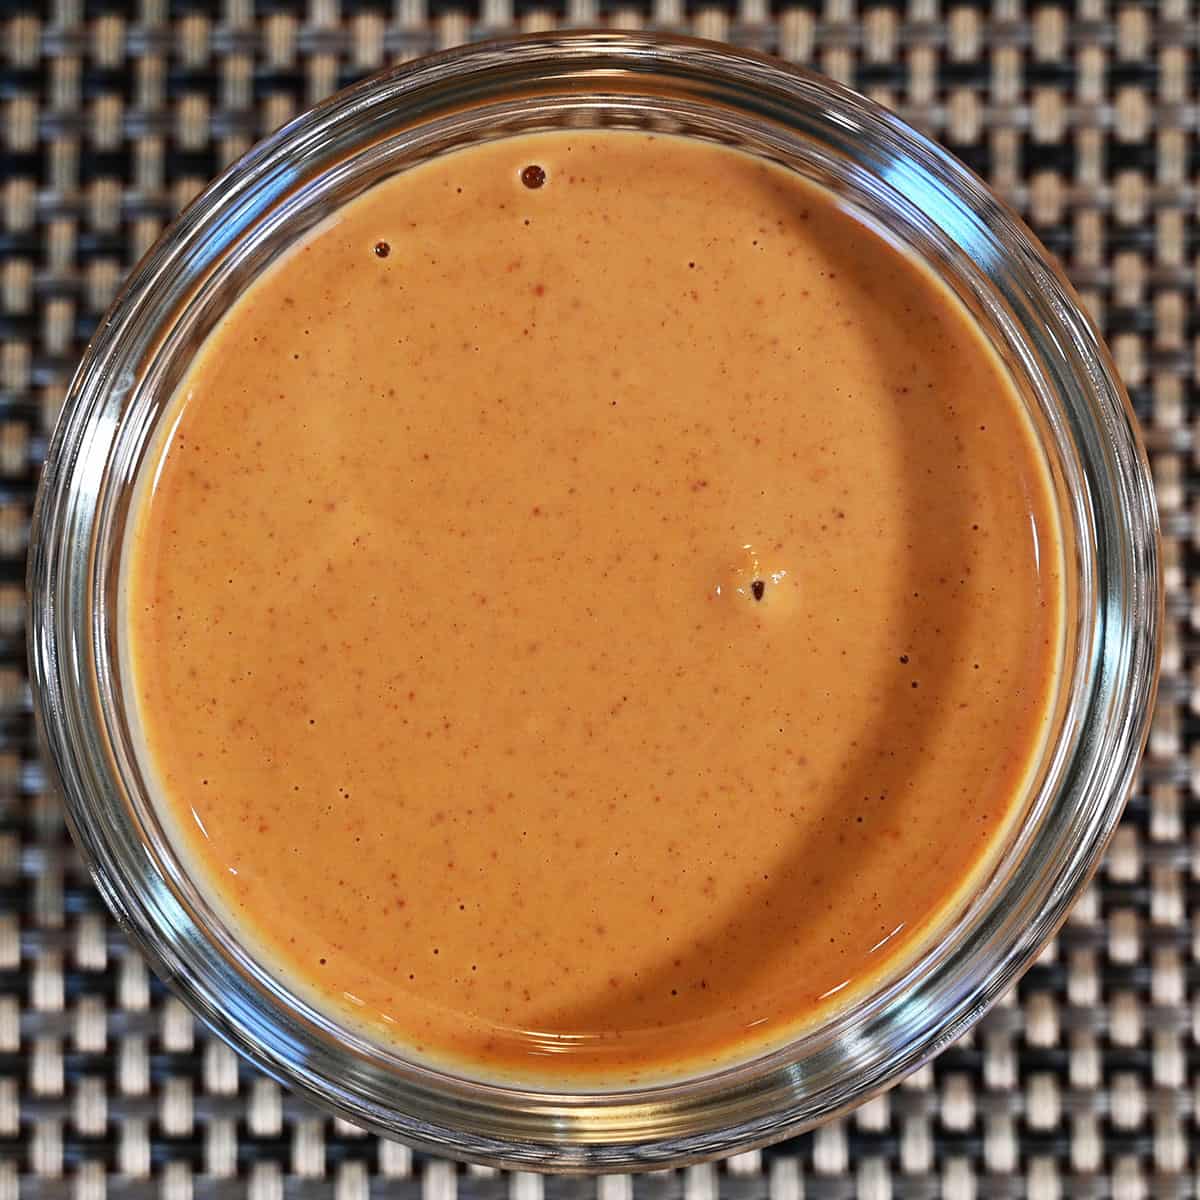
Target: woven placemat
[{"x": 1086, "y": 1081}]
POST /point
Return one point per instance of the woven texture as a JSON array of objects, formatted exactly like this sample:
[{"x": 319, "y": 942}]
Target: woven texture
[{"x": 1086, "y": 1081}]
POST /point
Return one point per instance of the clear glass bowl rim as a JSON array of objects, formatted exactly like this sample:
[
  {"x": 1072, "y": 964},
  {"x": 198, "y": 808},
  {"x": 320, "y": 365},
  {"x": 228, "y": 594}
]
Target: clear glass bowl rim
[{"x": 743, "y": 1106}]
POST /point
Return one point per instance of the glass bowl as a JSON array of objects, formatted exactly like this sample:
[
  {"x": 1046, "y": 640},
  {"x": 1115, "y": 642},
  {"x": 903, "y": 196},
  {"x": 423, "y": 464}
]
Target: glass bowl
[{"x": 893, "y": 178}]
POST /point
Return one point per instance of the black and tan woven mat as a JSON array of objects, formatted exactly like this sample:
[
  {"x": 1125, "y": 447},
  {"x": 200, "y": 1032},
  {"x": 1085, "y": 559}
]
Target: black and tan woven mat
[{"x": 1086, "y": 116}]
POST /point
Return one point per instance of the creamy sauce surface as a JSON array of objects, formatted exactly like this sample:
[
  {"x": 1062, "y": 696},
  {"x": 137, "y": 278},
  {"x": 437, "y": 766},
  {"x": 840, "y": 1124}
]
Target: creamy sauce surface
[{"x": 586, "y": 630}]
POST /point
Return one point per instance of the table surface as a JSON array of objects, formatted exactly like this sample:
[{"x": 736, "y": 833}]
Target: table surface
[{"x": 1085, "y": 1082}]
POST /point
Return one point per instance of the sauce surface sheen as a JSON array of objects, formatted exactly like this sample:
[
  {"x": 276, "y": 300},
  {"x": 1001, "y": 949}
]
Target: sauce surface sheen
[{"x": 582, "y": 625}]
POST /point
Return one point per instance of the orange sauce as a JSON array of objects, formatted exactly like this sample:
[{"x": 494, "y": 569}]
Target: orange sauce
[{"x": 585, "y": 627}]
